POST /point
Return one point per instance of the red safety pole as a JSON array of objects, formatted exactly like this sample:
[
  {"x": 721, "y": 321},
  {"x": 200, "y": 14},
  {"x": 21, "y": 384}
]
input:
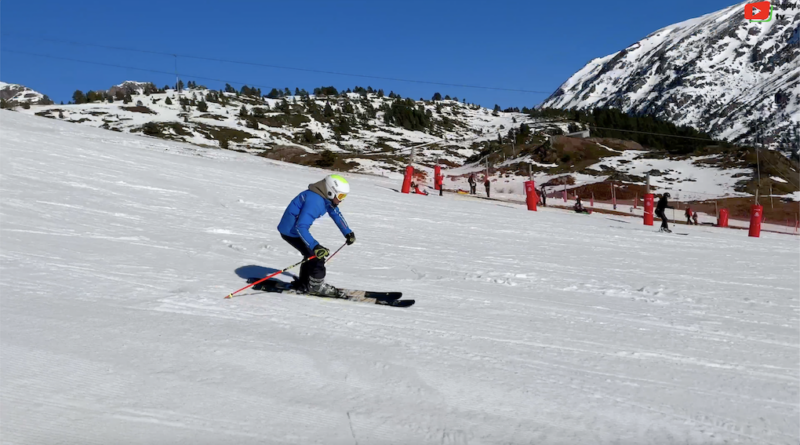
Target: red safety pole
[
  {"x": 230, "y": 295},
  {"x": 636, "y": 200},
  {"x": 756, "y": 214},
  {"x": 407, "y": 179},
  {"x": 531, "y": 198},
  {"x": 649, "y": 204},
  {"x": 437, "y": 171},
  {"x": 591, "y": 203},
  {"x": 723, "y": 218}
]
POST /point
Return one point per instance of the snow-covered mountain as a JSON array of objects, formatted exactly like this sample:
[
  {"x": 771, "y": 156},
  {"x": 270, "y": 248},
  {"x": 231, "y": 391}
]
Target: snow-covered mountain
[
  {"x": 295, "y": 126},
  {"x": 372, "y": 133},
  {"x": 719, "y": 73},
  {"x": 14, "y": 95}
]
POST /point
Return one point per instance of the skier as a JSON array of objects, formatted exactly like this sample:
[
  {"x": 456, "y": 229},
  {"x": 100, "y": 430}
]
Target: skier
[
  {"x": 544, "y": 197},
  {"x": 487, "y": 184},
  {"x": 472, "y": 184},
  {"x": 579, "y": 208},
  {"x": 321, "y": 197},
  {"x": 694, "y": 217},
  {"x": 688, "y": 215},
  {"x": 660, "y": 207}
]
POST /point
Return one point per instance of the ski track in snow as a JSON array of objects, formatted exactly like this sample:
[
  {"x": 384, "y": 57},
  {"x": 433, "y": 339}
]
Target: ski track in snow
[{"x": 545, "y": 328}]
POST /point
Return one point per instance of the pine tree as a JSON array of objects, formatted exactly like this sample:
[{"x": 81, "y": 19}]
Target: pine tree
[
  {"x": 128, "y": 99},
  {"x": 243, "y": 112},
  {"x": 61, "y": 115},
  {"x": 202, "y": 106},
  {"x": 78, "y": 97},
  {"x": 447, "y": 97},
  {"x": 168, "y": 101},
  {"x": 436, "y": 97}
]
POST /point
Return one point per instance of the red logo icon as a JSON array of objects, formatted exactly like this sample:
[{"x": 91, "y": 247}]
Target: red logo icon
[{"x": 757, "y": 11}]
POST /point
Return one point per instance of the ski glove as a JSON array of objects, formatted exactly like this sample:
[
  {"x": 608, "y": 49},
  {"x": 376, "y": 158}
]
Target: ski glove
[
  {"x": 321, "y": 252},
  {"x": 351, "y": 238}
]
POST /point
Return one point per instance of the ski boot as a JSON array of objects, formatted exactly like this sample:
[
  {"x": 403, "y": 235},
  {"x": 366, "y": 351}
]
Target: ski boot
[{"x": 318, "y": 287}]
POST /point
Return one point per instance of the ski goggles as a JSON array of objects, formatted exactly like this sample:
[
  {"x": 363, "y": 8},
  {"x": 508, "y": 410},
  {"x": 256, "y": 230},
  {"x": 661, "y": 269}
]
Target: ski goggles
[{"x": 341, "y": 196}]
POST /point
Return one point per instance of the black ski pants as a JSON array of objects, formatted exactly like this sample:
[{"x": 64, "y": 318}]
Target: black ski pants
[
  {"x": 314, "y": 268},
  {"x": 472, "y": 189},
  {"x": 660, "y": 214}
]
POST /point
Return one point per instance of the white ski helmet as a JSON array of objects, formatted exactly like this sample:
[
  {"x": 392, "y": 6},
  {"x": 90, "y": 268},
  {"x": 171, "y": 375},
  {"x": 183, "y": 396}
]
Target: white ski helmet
[{"x": 336, "y": 187}]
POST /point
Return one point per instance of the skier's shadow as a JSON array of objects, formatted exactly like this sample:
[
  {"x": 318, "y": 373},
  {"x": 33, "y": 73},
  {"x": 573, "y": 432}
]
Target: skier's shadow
[{"x": 253, "y": 271}]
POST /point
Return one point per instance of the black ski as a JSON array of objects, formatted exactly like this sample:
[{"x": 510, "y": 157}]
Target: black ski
[{"x": 381, "y": 298}]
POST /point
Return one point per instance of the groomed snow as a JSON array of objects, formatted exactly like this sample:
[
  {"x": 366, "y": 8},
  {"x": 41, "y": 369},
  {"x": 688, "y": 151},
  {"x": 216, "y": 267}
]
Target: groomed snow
[{"x": 544, "y": 328}]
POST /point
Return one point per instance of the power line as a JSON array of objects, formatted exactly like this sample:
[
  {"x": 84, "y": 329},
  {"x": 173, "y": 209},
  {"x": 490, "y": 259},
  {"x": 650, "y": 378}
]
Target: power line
[
  {"x": 265, "y": 65},
  {"x": 47, "y": 56},
  {"x": 655, "y": 134}
]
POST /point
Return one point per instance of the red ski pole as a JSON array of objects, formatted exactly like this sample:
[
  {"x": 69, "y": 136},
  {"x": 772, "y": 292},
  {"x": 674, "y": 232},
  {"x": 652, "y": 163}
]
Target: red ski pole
[{"x": 230, "y": 295}]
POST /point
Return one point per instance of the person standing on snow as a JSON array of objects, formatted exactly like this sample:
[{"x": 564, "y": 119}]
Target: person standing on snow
[
  {"x": 472, "y": 184},
  {"x": 694, "y": 218},
  {"x": 487, "y": 184},
  {"x": 688, "y": 215},
  {"x": 320, "y": 198},
  {"x": 660, "y": 207}
]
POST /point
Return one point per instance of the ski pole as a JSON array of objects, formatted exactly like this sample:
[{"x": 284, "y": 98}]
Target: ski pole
[
  {"x": 230, "y": 295},
  {"x": 334, "y": 253}
]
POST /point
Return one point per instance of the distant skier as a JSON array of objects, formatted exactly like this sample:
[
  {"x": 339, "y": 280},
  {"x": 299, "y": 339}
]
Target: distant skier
[
  {"x": 694, "y": 217},
  {"x": 660, "y": 207},
  {"x": 320, "y": 198},
  {"x": 544, "y": 197},
  {"x": 688, "y": 215},
  {"x": 472, "y": 184},
  {"x": 487, "y": 184},
  {"x": 579, "y": 208}
]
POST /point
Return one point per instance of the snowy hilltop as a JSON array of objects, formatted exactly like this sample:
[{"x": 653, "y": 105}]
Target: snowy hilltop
[
  {"x": 12, "y": 95},
  {"x": 367, "y": 131},
  {"x": 719, "y": 73}
]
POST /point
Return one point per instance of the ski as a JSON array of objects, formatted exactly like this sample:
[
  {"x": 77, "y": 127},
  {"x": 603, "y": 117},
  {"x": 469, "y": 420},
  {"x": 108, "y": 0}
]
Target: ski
[
  {"x": 671, "y": 233},
  {"x": 361, "y": 296}
]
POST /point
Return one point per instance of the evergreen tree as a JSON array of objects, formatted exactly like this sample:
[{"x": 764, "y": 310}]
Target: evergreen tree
[
  {"x": 78, "y": 97},
  {"x": 128, "y": 99},
  {"x": 229, "y": 88},
  {"x": 243, "y": 112},
  {"x": 436, "y": 97},
  {"x": 179, "y": 86},
  {"x": 60, "y": 114},
  {"x": 168, "y": 101},
  {"x": 380, "y": 93},
  {"x": 286, "y": 92},
  {"x": 274, "y": 94},
  {"x": 447, "y": 97},
  {"x": 328, "y": 112},
  {"x": 202, "y": 106}
]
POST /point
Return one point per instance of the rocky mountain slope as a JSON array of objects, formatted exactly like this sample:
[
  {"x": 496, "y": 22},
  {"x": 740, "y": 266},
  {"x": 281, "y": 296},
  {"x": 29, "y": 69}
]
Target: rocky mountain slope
[{"x": 719, "y": 73}]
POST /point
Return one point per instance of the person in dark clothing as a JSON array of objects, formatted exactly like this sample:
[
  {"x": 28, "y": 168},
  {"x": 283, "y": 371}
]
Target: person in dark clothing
[
  {"x": 660, "y": 207},
  {"x": 487, "y": 184},
  {"x": 694, "y": 218},
  {"x": 579, "y": 208},
  {"x": 544, "y": 197},
  {"x": 472, "y": 184}
]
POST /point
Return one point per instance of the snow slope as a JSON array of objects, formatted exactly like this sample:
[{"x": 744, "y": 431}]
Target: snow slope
[
  {"x": 719, "y": 73},
  {"x": 546, "y": 327}
]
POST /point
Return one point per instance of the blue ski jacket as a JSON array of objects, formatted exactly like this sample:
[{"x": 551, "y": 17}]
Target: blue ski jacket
[{"x": 301, "y": 213}]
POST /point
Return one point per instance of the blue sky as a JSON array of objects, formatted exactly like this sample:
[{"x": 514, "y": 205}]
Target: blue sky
[{"x": 527, "y": 45}]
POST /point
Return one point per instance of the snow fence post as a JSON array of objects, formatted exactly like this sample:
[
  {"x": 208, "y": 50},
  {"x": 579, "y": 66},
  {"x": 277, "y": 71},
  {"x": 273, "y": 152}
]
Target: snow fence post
[
  {"x": 756, "y": 213},
  {"x": 648, "y": 209},
  {"x": 437, "y": 172},
  {"x": 722, "y": 221},
  {"x": 531, "y": 198},
  {"x": 407, "y": 179}
]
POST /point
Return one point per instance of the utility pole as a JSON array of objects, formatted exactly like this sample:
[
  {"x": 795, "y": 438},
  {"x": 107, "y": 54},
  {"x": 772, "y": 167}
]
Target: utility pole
[{"x": 758, "y": 168}]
